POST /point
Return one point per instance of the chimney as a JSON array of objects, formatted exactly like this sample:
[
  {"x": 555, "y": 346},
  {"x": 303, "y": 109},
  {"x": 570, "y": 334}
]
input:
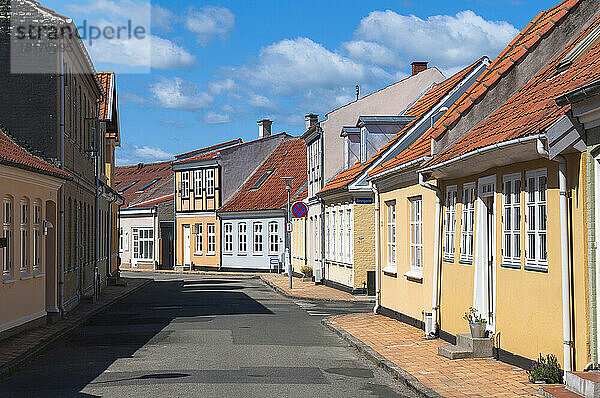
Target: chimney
[
  {"x": 310, "y": 120},
  {"x": 418, "y": 66},
  {"x": 264, "y": 128}
]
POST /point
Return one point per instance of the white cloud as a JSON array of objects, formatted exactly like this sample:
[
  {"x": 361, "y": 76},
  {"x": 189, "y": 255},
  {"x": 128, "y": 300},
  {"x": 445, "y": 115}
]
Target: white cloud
[
  {"x": 222, "y": 85},
  {"x": 179, "y": 94},
  {"x": 168, "y": 55},
  {"x": 151, "y": 154},
  {"x": 173, "y": 123},
  {"x": 209, "y": 22},
  {"x": 371, "y": 52},
  {"x": 216, "y": 118},
  {"x": 444, "y": 40},
  {"x": 132, "y": 98},
  {"x": 292, "y": 66},
  {"x": 260, "y": 101},
  {"x": 162, "y": 18}
]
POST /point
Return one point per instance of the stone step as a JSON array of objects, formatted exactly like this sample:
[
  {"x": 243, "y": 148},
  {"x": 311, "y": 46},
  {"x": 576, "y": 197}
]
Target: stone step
[
  {"x": 454, "y": 352},
  {"x": 587, "y": 384},
  {"x": 480, "y": 347},
  {"x": 558, "y": 392}
]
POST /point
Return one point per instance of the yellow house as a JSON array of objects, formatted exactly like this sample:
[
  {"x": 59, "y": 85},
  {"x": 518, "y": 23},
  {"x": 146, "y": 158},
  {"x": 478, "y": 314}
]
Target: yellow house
[
  {"x": 28, "y": 239},
  {"x": 513, "y": 236}
]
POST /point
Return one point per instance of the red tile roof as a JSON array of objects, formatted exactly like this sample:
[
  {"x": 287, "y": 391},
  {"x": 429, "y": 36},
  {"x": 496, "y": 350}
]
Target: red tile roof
[
  {"x": 153, "y": 202},
  {"x": 533, "y": 108},
  {"x": 14, "y": 155},
  {"x": 137, "y": 176},
  {"x": 533, "y": 33},
  {"x": 106, "y": 79},
  {"x": 421, "y": 107},
  {"x": 287, "y": 160},
  {"x": 208, "y": 149}
]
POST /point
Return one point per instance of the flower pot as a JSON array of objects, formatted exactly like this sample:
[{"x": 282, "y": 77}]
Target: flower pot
[{"x": 477, "y": 329}]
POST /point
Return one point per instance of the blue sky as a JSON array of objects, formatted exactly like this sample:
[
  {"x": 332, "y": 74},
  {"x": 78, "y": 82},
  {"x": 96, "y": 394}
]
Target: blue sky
[{"x": 218, "y": 67}]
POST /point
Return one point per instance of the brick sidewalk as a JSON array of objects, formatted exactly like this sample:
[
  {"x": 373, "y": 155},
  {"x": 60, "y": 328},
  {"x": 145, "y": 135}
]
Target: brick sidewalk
[
  {"x": 307, "y": 290},
  {"x": 23, "y": 347},
  {"x": 406, "y": 347}
]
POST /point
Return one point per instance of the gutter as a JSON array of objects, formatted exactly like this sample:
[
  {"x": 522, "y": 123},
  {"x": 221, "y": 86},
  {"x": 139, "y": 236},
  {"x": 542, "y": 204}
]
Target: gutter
[
  {"x": 377, "y": 242},
  {"x": 579, "y": 94},
  {"x": 399, "y": 168}
]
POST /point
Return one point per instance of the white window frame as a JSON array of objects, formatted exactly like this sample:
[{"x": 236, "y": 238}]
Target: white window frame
[
  {"x": 467, "y": 232},
  {"x": 327, "y": 235},
  {"x": 450, "y": 223},
  {"x": 121, "y": 239},
  {"x": 24, "y": 235},
  {"x": 349, "y": 235},
  {"x": 257, "y": 238},
  {"x": 390, "y": 222},
  {"x": 197, "y": 184},
  {"x": 511, "y": 219},
  {"x": 273, "y": 237},
  {"x": 36, "y": 236},
  {"x": 341, "y": 234},
  {"x": 210, "y": 183},
  {"x": 536, "y": 253},
  {"x": 333, "y": 220},
  {"x": 211, "y": 243},
  {"x": 8, "y": 218},
  {"x": 227, "y": 238},
  {"x": 242, "y": 238},
  {"x": 185, "y": 184},
  {"x": 140, "y": 250},
  {"x": 199, "y": 241},
  {"x": 416, "y": 234}
]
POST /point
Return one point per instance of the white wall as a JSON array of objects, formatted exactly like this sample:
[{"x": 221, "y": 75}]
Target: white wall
[{"x": 127, "y": 223}]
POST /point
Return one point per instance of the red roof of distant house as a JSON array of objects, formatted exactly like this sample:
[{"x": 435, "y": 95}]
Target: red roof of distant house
[
  {"x": 533, "y": 109},
  {"x": 287, "y": 160},
  {"x": 130, "y": 180},
  {"x": 107, "y": 80},
  {"x": 521, "y": 45},
  {"x": 208, "y": 149},
  {"x": 153, "y": 202},
  {"x": 417, "y": 110},
  {"x": 14, "y": 155}
]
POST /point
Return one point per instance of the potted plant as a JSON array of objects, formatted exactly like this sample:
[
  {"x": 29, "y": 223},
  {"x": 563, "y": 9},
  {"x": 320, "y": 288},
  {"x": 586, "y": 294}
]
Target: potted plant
[
  {"x": 545, "y": 370},
  {"x": 476, "y": 323}
]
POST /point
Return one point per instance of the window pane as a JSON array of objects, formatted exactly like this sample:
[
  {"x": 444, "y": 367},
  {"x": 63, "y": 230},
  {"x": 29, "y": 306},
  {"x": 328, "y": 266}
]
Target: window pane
[
  {"x": 517, "y": 242},
  {"x": 543, "y": 251},
  {"x": 507, "y": 219},
  {"x": 531, "y": 218},
  {"x": 542, "y": 188},
  {"x": 507, "y": 245},
  {"x": 542, "y": 219},
  {"x": 517, "y": 193},
  {"x": 532, "y": 250}
]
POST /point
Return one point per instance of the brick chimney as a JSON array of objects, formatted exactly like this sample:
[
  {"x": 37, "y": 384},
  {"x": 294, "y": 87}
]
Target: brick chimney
[
  {"x": 418, "y": 66},
  {"x": 310, "y": 120},
  {"x": 264, "y": 128}
]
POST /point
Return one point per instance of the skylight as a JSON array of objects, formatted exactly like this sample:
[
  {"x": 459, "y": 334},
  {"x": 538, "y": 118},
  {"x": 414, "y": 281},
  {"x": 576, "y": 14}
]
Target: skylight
[
  {"x": 142, "y": 189},
  {"x": 126, "y": 187},
  {"x": 262, "y": 178}
]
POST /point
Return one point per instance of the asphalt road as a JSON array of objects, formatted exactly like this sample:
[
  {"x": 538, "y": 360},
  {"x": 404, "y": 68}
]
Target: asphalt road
[{"x": 206, "y": 336}]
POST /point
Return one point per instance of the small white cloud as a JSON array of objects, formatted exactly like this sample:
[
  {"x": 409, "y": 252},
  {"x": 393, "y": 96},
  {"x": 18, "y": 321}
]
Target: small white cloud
[
  {"x": 216, "y": 118},
  {"x": 151, "y": 154},
  {"x": 227, "y": 108},
  {"x": 173, "y": 123},
  {"x": 163, "y": 18},
  {"x": 179, "y": 94},
  {"x": 370, "y": 52},
  {"x": 260, "y": 101},
  {"x": 222, "y": 85},
  {"x": 132, "y": 98},
  {"x": 209, "y": 22}
]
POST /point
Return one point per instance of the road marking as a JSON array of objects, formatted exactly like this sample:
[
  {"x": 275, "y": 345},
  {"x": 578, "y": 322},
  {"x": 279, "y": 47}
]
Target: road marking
[
  {"x": 314, "y": 313},
  {"x": 174, "y": 307}
]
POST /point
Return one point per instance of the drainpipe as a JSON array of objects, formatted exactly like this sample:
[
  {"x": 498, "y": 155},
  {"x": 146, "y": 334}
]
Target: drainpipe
[
  {"x": 61, "y": 245},
  {"x": 564, "y": 254},
  {"x": 377, "y": 241},
  {"x": 436, "y": 244}
]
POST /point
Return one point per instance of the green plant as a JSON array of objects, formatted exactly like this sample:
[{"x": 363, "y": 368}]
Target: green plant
[
  {"x": 546, "y": 369},
  {"x": 472, "y": 316},
  {"x": 306, "y": 270}
]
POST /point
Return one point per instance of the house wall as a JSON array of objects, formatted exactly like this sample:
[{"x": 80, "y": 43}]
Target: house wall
[
  {"x": 202, "y": 202},
  {"x": 364, "y": 242},
  {"x": 254, "y": 260},
  {"x": 398, "y": 292},
  {"x": 206, "y": 259},
  {"x": 127, "y": 223},
  {"x": 528, "y": 303}
]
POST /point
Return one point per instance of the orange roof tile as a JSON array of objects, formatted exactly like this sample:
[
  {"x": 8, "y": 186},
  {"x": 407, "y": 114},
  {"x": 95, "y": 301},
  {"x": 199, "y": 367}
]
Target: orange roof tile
[
  {"x": 541, "y": 25},
  {"x": 287, "y": 160},
  {"x": 421, "y": 107},
  {"x": 129, "y": 179},
  {"x": 533, "y": 108}
]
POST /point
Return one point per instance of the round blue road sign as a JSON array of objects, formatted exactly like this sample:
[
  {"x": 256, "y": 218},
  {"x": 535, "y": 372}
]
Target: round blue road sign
[{"x": 299, "y": 210}]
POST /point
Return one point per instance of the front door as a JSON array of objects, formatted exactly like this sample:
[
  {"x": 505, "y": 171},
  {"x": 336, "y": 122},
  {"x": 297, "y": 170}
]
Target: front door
[
  {"x": 166, "y": 235},
  {"x": 187, "y": 246}
]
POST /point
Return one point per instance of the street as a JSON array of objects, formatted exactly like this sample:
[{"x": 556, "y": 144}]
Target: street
[{"x": 216, "y": 336}]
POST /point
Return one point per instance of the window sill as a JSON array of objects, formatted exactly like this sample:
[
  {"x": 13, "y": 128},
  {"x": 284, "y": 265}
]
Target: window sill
[
  {"x": 8, "y": 279},
  {"x": 414, "y": 276},
  {"x": 536, "y": 268},
  {"x": 197, "y": 254},
  {"x": 257, "y": 254},
  {"x": 25, "y": 275},
  {"x": 242, "y": 254},
  {"x": 37, "y": 273},
  {"x": 465, "y": 262},
  {"x": 390, "y": 271},
  {"x": 210, "y": 254},
  {"x": 508, "y": 265},
  {"x": 448, "y": 259}
]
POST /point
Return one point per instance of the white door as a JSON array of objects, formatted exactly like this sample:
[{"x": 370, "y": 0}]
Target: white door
[
  {"x": 484, "y": 292},
  {"x": 187, "y": 245}
]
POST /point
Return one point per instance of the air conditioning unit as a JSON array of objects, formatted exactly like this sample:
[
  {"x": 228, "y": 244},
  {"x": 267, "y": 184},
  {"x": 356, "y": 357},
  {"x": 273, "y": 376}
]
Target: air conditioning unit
[{"x": 428, "y": 323}]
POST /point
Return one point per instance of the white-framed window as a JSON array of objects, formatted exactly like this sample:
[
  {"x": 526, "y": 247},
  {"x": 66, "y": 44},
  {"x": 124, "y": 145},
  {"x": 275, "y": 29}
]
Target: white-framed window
[
  {"x": 37, "y": 219},
  {"x": 210, "y": 182},
  {"x": 7, "y": 227},
  {"x": 273, "y": 237},
  {"x": 185, "y": 184},
  {"x": 121, "y": 239},
  {"x": 228, "y": 238},
  {"x": 416, "y": 234},
  {"x": 198, "y": 233},
  {"x": 536, "y": 185},
  {"x": 468, "y": 222},
  {"x": 327, "y": 235},
  {"x": 211, "y": 239},
  {"x": 24, "y": 235},
  {"x": 197, "y": 183},
  {"x": 258, "y": 238},
  {"x": 349, "y": 236},
  {"x": 391, "y": 233},
  {"x": 450, "y": 223},
  {"x": 511, "y": 219},
  {"x": 143, "y": 243},
  {"x": 242, "y": 238},
  {"x": 334, "y": 234},
  {"x": 341, "y": 235}
]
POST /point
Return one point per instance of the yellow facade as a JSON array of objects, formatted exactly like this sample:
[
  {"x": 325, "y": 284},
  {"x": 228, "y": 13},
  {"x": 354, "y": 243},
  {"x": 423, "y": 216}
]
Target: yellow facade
[
  {"x": 299, "y": 244},
  {"x": 403, "y": 291},
  {"x": 528, "y": 302},
  {"x": 363, "y": 242}
]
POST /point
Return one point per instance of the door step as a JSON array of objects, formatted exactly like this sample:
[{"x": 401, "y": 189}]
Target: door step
[
  {"x": 558, "y": 392},
  {"x": 586, "y": 384},
  {"x": 468, "y": 347}
]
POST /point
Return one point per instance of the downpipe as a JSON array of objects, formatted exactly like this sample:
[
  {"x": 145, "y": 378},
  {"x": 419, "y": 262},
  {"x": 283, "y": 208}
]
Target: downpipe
[
  {"x": 564, "y": 254},
  {"x": 377, "y": 241},
  {"x": 436, "y": 244},
  {"x": 61, "y": 245}
]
